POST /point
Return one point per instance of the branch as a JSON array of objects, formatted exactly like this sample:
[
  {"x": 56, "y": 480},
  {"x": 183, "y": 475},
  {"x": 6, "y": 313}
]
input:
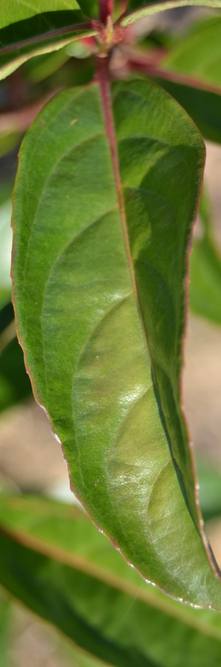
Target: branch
[
  {"x": 48, "y": 35},
  {"x": 150, "y": 67},
  {"x": 106, "y": 9}
]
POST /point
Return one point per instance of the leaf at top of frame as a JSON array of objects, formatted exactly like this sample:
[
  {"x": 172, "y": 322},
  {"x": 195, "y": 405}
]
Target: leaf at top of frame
[
  {"x": 64, "y": 557},
  {"x": 136, "y": 9},
  {"x": 89, "y": 8},
  {"x": 198, "y": 55},
  {"x": 99, "y": 294},
  {"x": 28, "y": 30}
]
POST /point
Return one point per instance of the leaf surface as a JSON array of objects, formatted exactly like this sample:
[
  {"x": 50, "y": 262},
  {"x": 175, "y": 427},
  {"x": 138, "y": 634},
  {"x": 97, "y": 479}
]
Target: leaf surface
[
  {"x": 203, "y": 106},
  {"x": 59, "y": 555},
  {"x": 100, "y": 258},
  {"x": 32, "y": 29},
  {"x": 137, "y": 9},
  {"x": 198, "y": 55}
]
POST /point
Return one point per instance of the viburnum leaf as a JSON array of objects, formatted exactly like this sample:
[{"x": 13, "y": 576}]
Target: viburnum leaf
[
  {"x": 106, "y": 193},
  {"x": 27, "y": 30}
]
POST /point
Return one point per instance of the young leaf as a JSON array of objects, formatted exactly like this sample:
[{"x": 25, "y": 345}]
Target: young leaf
[
  {"x": 102, "y": 216},
  {"x": 139, "y": 8},
  {"x": 28, "y": 30},
  {"x": 71, "y": 575}
]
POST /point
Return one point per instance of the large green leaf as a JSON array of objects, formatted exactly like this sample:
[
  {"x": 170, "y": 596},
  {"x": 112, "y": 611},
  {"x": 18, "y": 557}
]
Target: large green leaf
[
  {"x": 137, "y": 9},
  {"x": 31, "y": 29},
  {"x": 198, "y": 56},
  {"x": 53, "y": 559},
  {"x": 100, "y": 306}
]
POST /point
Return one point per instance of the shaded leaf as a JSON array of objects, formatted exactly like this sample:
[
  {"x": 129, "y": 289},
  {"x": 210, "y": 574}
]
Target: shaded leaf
[
  {"x": 210, "y": 485},
  {"x": 55, "y": 561},
  {"x": 205, "y": 270},
  {"x": 136, "y": 9},
  {"x": 28, "y": 30},
  {"x": 5, "y": 609},
  {"x": 14, "y": 381},
  {"x": 198, "y": 54},
  {"x": 93, "y": 284},
  {"x": 203, "y": 106}
]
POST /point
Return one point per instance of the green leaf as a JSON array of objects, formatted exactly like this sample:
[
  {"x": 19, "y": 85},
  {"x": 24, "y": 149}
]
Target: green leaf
[
  {"x": 198, "y": 55},
  {"x": 5, "y": 609},
  {"x": 55, "y": 561},
  {"x": 137, "y": 9},
  {"x": 205, "y": 271},
  {"x": 100, "y": 305},
  {"x": 14, "y": 381},
  {"x": 28, "y": 30},
  {"x": 210, "y": 485},
  {"x": 203, "y": 106},
  {"x": 89, "y": 7}
]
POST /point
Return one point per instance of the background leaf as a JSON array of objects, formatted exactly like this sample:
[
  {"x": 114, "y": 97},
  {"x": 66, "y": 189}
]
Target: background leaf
[
  {"x": 76, "y": 300},
  {"x": 205, "y": 270},
  {"x": 197, "y": 55},
  {"x": 100, "y": 602},
  {"x": 141, "y": 8},
  {"x": 28, "y": 30},
  {"x": 203, "y": 107}
]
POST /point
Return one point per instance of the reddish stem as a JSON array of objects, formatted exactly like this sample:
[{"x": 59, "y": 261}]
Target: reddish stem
[
  {"x": 103, "y": 77},
  {"x": 48, "y": 35},
  {"x": 150, "y": 67},
  {"x": 106, "y": 9}
]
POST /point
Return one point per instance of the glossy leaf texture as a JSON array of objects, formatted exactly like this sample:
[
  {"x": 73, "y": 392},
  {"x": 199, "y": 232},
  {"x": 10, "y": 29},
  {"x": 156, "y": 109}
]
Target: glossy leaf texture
[
  {"x": 198, "y": 55},
  {"x": 205, "y": 270},
  {"x": 100, "y": 306},
  {"x": 137, "y": 9},
  {"x": 29, "y": 29},
  {"x": 101, "y": 603}
]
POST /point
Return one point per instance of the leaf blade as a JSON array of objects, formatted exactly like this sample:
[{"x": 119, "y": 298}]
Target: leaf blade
[
  {"x": 28, "y": 31},
  {"x": 137, "y": 9},
  {"x": 185, "y": 634},
  {"x": 114, "y": 396}
]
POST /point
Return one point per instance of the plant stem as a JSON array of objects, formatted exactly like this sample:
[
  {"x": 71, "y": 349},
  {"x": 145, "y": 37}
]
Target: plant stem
[
  {"x": 150, "y": 67},
  {"x": 48, "y": 35},
  {"x": 106, "y": 9}
]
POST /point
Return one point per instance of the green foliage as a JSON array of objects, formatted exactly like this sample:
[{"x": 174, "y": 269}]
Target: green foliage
[{"x": 107, "y": 191}]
